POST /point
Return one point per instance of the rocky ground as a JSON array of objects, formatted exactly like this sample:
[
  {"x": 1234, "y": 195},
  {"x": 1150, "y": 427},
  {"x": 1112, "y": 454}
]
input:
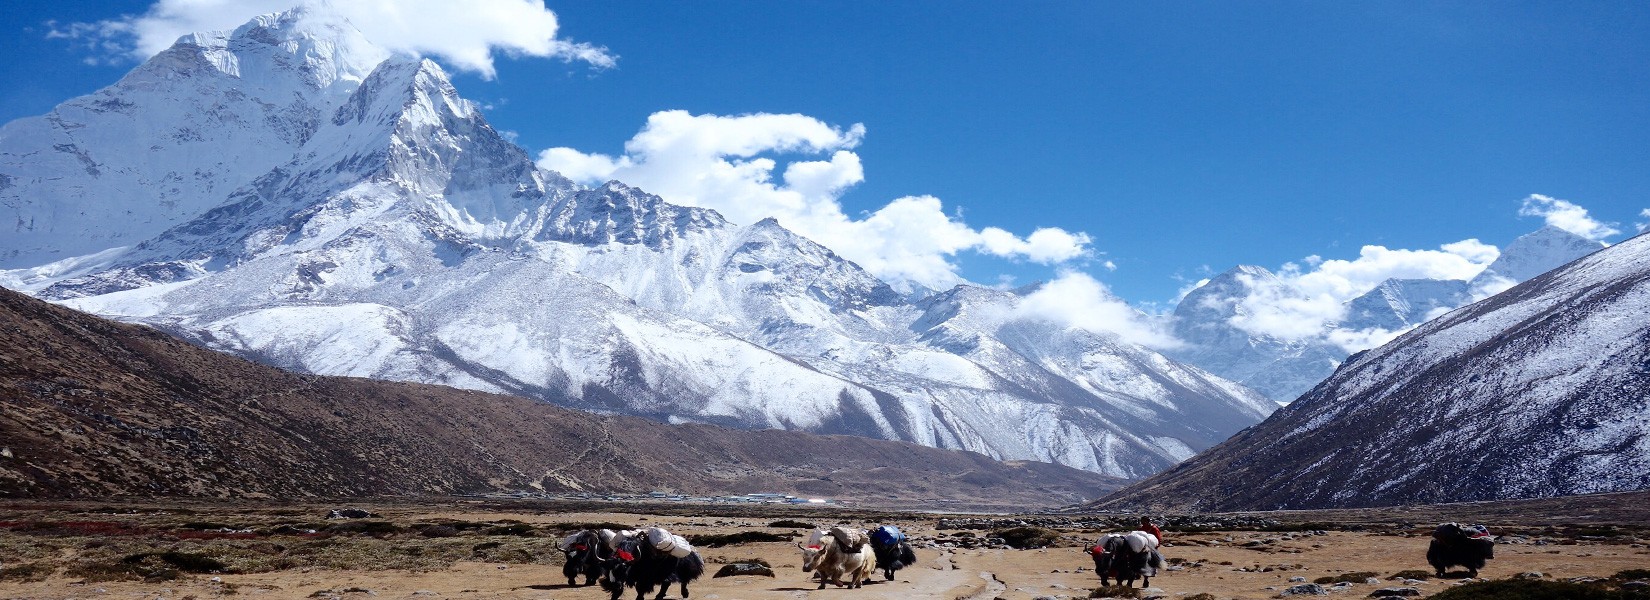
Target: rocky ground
[{"x": 470, "y": 550}]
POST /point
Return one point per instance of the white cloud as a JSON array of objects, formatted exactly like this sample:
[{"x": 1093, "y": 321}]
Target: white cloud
[
  {"x": 1566, "y": 215},
  {"x": 725, "y": 163},
  {"x": 1307, "y": 303},
  {"x": 1079, "y": 301},
  {"x": 1188, "y": 288},
  {"x": 1363, "y": 339},
  {"x": 461, "y": 34},
  {"x": 1646, "y": 225}
]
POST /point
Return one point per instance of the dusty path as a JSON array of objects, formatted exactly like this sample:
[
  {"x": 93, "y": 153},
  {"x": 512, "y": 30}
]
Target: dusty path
[{"x": 1225, "y": 564}]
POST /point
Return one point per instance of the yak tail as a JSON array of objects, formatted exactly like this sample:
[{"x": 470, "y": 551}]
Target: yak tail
[
  {"x": 906, "y": 555},
  {"x": 690, "y": 567}
]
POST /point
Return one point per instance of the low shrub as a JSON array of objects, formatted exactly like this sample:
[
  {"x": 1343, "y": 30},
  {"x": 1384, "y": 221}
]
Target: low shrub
[
  {"x": 1115, "y": 591},
  {"x": 27, "y": 572},
  {"x": 438, "y": 531},
  {"x": 364, "y": 527},
  {"x": 718, "y": 540},
  {"x": 790, "y": 524},
  {"x": 1355, "y": 577},
  {"x": 184, "y": 561},
  {"x": 1027, "y": 537},
  {"x": 1536, "y": 589},
  {"x": 515, "y": 529}
]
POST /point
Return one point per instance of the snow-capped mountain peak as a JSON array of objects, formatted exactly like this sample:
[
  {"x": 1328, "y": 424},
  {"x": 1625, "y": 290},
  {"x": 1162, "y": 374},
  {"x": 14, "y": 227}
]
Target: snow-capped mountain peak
[
  {"x": 1535, "y": 253},
  {"x": 1396, "y": 304},
  {"x": 404, "y": 238},
  {"x": 323, "y": 50},
  {"x": 175, "y": 136}
]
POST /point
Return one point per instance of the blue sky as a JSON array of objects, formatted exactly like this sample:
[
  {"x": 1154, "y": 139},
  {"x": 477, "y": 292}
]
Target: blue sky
[{"x": 1178, "y": 136}]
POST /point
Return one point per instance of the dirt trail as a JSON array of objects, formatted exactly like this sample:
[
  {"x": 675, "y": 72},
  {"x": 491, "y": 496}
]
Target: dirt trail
[{"x": 1241, "y": 565}]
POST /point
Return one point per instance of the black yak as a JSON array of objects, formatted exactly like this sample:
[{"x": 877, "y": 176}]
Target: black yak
[
  {"x": 585, "y": 555},
  {"x": 892, "y": 550},
  {"x": 1126, "y": 558},
  {"x": 638, "y": 564},
  {"x": 1454, "y": 545}
]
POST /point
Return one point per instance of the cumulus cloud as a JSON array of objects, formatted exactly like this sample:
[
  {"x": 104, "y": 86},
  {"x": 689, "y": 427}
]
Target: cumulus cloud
[
  {"x": 1645, "y": 214},
  {"x": 1076, "y": 300},
  {"x": 1566, "y": 215},
  {"x": 727, "y": 163},
  {"x": 1306, "y": 303},
  {"x": 464, "y": 35}
]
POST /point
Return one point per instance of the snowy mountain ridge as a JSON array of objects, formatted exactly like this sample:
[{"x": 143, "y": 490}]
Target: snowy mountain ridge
[
  {"x": 1209, "y": 317},
  {"x": 403, "y": 238},
  {"x": 1542, "y": 390}
]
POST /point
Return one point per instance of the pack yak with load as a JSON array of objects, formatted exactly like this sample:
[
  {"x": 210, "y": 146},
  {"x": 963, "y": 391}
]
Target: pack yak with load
[
  {"x": 1126, "y": 557},
  {"x": 650, "y": 558},
  {"x": 892, "y": 550},
  {"x": 837, "y": 554}
]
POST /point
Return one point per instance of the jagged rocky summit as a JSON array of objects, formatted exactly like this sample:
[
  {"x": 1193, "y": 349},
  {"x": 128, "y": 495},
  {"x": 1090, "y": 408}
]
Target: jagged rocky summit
[
  {"x": 1542, "y": 390},
  {"x": 401, "y": 237},
  {"x": 174, "y": 137}
]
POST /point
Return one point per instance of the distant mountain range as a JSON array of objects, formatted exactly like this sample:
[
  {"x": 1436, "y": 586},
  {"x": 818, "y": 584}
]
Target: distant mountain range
[
  {"x": 289, "y": 193},
  {"x": 100, "y": 410},
  {"x": 1542, "y": 390},
  {"x": 1283, "y": 369}
]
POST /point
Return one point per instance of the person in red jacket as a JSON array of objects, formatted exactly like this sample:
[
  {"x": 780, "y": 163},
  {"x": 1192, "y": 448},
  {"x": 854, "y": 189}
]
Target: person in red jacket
[{"x": 1147, "y": 526}]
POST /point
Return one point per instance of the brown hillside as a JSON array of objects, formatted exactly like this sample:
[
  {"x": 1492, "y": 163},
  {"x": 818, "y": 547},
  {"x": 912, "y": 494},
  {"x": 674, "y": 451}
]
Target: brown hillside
[{"x": 94, "y": 408}]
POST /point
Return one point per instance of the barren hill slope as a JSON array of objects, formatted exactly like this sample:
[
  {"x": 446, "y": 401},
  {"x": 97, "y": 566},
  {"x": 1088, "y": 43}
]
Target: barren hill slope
[{"x": 95, "y": 408}]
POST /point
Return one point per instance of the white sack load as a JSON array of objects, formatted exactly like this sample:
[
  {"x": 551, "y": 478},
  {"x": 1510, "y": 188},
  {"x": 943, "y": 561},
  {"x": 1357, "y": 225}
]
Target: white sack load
[
  {"x": 849, "y": 539},
  {"x": 613, "y": 538},
  {"x": 667, "y": 542},
  {"x": 1140, "y": 541},
  {"x": 567, "y": 542}
]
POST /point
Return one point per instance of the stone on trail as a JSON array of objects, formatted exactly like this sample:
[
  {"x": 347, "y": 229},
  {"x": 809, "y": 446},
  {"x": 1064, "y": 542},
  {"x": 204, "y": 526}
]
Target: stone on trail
[
  {"x": 1306, "y": 589},
  {"x": 1395, "y": 592},
  {"x": 740, "y": 569}
]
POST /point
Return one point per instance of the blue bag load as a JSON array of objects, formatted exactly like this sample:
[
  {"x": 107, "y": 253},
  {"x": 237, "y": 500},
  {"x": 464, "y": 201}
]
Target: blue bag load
[{"x": 887, "y": 535}]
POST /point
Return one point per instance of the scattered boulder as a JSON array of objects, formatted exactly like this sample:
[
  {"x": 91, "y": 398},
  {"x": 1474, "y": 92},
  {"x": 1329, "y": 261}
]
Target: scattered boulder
[
  {"x": 1306, "y": 589},
  {"x": 350, "y": 513},
  {"x": 1395, "y": 592},
  {"x": 744, "y": 569}
]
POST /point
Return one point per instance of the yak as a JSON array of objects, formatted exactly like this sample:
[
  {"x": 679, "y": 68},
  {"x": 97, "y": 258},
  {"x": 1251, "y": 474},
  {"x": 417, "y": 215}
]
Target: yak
[
  {"x": 837, "y": 554},
  {"x": 892, "y": 550},
  {"x": 1126, "y": 557},
  {"x": 585, "y": 555},
  {"x": 639, "y": 565},
  {"x": 1454, "y": 545}
]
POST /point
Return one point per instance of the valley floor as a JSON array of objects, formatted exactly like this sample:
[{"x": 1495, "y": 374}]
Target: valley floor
[{"x": 491, "y": 550}]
